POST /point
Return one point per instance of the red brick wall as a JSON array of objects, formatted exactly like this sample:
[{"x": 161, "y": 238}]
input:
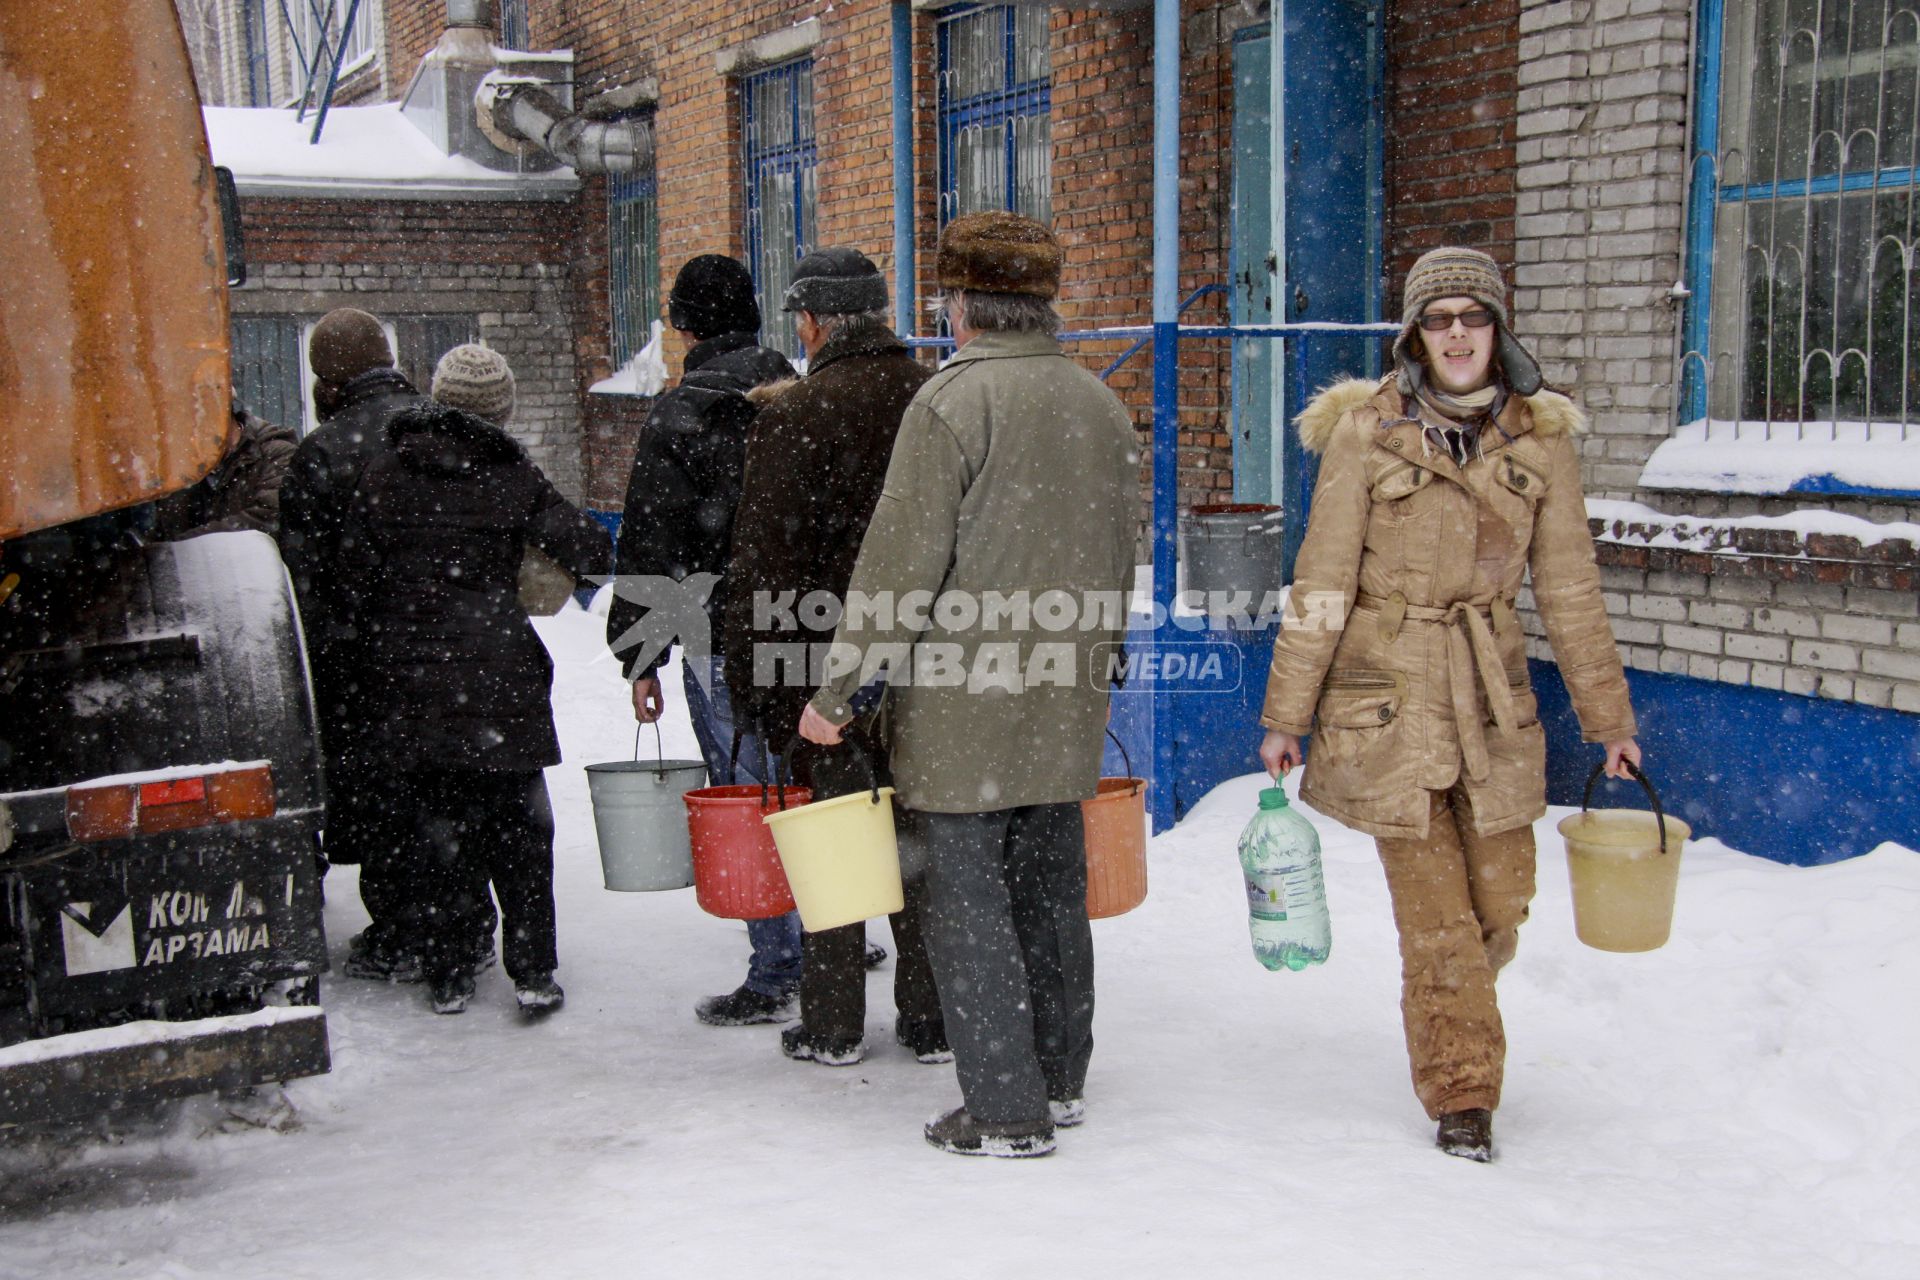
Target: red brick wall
[
  {"x": 413, "y": 27},
  {"x": 1452, "y": 67},
  {"x": 466, "y": 233}
]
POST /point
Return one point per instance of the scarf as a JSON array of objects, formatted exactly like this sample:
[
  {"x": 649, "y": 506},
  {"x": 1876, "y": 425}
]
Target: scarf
[{"x": 1457, "y": 434}]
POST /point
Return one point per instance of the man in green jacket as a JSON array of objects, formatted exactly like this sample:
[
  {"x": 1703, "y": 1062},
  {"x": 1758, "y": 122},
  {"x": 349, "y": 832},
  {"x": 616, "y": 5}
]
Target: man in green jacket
[{"x": 991, "y": 581}]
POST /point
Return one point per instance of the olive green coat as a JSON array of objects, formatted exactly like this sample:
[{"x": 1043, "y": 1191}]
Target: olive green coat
[
  {"x": 1401, "y": 651},
  {"x": 1015, "y": 471}
]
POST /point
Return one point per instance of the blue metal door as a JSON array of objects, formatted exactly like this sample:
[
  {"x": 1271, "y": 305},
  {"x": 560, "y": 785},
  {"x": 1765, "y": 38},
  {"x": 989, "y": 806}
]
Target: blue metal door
[
  {"x": 1327, "y": 145},
  {"x": 1249, "y": 263}
]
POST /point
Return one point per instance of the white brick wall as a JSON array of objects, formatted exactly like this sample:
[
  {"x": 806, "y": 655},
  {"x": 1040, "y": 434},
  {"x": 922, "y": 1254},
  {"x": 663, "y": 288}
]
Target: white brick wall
[
  {"x": 1602, "y": 168},
  {"x": 521, "y": 312}
]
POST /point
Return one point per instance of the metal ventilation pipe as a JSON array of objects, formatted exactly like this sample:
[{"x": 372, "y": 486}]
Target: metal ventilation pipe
[{"x": 529, "y": 113}]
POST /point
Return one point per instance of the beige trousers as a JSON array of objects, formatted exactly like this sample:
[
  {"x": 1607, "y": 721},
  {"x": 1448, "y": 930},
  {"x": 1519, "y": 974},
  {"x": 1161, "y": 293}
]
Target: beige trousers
[{"x": 1458, "y": 901}]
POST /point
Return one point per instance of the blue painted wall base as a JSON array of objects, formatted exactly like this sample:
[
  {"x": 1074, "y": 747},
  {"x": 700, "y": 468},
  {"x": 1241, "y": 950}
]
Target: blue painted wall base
[{"x": 1798, "y": 780}]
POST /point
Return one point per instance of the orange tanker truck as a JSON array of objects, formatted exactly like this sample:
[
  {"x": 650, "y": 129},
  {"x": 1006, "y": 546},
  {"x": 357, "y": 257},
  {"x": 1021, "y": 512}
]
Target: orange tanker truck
[{"x": 160, "y": 789}]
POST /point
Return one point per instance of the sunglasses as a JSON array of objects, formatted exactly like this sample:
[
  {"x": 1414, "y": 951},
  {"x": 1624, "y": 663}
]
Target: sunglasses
[{"x": 1441, "y": 321}]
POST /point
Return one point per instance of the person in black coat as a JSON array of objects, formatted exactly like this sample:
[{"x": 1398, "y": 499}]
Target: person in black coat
[
  {"x": 459, "y": 685},
  {"x": 357, "y": 392},
  {"x": 677, "y": 528},
  {"x": 816, "y": 461}
]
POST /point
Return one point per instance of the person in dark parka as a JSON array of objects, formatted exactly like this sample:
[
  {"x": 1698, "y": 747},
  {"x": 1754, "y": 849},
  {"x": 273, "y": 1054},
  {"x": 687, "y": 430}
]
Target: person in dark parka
[
  {"x": 356, "y": 391},
  {"x": 462, "y": 685},
  {"x": 678, "y": 525},
  {"x": 243, "y": 489},
  {"x": 816, "y": 457}
]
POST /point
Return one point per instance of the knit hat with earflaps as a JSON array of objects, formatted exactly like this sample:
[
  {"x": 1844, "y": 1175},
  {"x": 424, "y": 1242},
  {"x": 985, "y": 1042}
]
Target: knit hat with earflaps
[
  {"x": 476, "y": 379},
  {"x": 836, "y": 282},
  {"x": 346, "y": 343},
  {"x": 712, "y": 295},
  {"x": 1457, "y": 272},
  {"x": 999, "y": 252}
]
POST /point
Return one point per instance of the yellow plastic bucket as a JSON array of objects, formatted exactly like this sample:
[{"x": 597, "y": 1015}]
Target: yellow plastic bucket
[
  {"x": 1624, "y": 866},
  {"x": 841, "y": 857}
]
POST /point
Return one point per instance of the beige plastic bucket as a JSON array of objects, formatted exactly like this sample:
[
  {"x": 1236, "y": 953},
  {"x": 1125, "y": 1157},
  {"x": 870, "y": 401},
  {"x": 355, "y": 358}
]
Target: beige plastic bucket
[
  {"x": 841, "y": 857},
  {"x": 1624, "y": 873}
]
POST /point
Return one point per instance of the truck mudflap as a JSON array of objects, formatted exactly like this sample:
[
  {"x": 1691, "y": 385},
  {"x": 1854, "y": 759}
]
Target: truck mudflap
[{"x": 92, "y": 1073}]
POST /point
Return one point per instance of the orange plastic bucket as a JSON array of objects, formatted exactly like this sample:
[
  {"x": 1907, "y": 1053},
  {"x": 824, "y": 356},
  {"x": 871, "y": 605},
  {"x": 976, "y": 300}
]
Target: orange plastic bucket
[
  {"x": 1116, "y": 825},
  {"x": 736, "y": 868}
]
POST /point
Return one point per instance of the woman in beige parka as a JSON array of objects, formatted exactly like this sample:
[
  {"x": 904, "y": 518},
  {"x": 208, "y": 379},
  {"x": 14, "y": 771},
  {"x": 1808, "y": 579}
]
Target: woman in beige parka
[{"x": 1441, "y": 488}]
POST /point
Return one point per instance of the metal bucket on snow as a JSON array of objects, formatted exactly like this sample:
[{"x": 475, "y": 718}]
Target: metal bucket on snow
[{"x": 639, "y": 818}]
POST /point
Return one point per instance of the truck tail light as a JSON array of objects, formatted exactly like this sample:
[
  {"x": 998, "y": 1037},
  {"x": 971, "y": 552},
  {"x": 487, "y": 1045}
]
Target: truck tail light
[{"x": 118, "y": 810}]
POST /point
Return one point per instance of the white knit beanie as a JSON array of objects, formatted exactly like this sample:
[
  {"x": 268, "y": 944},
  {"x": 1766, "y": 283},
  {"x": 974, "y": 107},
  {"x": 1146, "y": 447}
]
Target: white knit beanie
[{"x": 475, "y": 379}]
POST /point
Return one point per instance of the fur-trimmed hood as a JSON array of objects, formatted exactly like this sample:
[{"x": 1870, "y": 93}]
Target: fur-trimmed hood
[{"x": 1552, "y": 413}]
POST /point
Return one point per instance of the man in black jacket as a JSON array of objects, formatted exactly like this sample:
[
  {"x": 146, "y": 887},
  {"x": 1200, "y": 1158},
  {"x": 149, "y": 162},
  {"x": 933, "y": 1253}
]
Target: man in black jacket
[
  {"x": 677, "y": 527},
  {"x": 816, "y": 460},
  {"x": 357, "y": 392}
]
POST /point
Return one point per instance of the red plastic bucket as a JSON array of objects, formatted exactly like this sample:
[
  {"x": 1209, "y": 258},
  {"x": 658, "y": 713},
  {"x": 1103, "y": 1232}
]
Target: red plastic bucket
[{"x": 736, "y": 868}]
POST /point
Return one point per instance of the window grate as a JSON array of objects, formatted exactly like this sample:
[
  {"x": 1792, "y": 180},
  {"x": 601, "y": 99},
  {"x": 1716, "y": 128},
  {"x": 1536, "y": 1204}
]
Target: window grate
[
  {"x": 633, "y": 253},
  {"x": 777, "y": 131},
  {"x": 1804, "y": 230},
  {"x": 996, "y": 136},
  {"x": 513, "y": 24}
]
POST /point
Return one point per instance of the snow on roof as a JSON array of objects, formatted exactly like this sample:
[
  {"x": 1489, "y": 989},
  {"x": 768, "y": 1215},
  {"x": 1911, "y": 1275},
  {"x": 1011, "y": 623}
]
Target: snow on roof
[
  {"x": 363, "y": 151},
  {"x": 1753, "y": 457}
]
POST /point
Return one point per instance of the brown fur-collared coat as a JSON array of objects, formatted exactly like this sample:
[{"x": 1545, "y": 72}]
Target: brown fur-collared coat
[{"x": 1401, "y": 652}]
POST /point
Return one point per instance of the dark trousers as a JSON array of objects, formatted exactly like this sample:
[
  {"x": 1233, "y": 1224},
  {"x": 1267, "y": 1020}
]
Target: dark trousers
[
  {"x": 470, "y": 827},
  {"x": 833, "y": 973},
  {"x": 370, "y": 821},
  {"x": 1006, "y": 929}
]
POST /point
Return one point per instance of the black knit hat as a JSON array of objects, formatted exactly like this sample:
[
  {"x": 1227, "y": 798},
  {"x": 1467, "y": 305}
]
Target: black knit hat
[
  {"x": 836, "y": 282},
  {"x": 713, "y": 295}
]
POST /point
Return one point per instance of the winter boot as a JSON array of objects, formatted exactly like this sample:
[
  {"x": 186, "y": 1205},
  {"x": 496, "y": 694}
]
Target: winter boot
[
  {"x": 803, "y": 1045},
  {"x": 1467, "y": 1134},
  {"x": 1068, "y": 1112},
  {"x": 450, "y": 992},
  {"x": 927, "y": 1040},
  {"x": 744, "y": 1007},
  {"x": 376, "y": 961},
  {"x": 960, "y": 1134},
  {"x": 876, "y": 955},
  {"x": 538, "y": 994}
]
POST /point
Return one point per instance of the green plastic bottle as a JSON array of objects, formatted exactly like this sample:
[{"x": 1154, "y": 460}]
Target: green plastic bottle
[{"x": 1286, "y": 893}]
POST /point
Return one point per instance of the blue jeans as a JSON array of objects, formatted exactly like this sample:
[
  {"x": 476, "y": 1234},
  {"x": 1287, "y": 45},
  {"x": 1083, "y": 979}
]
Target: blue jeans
[{"x": 774, "y": 969}]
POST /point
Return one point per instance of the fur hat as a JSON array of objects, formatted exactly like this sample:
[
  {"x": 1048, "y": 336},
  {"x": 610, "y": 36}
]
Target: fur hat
[
  {"x": 712, "y": 295},
  {"x": 476, "y": 379},
  {"x": 836, "y": 282},
  {"x": 999, "y": 252},
  {"x": 345, "y": 344},
  {"x": 1458, "y": 272}
]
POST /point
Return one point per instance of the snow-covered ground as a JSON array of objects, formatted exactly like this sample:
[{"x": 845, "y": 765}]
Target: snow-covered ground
[{"x": 1740, "y": 1103}]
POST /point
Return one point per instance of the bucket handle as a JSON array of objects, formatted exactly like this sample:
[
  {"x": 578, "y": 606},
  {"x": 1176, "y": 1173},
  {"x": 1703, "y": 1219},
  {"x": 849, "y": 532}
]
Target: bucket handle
[
  {"x": 1125, "y": 758},
  {"x": 1653, "y": 796},
  {"x": 860, "y": 753},
  {"x": 659, "y": 751}
]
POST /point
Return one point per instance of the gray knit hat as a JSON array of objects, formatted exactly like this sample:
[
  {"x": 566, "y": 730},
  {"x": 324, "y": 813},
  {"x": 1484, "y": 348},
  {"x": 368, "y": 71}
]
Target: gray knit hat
[
  {"x": 836, "y": 281},
  {"x": 476, "y": 379},
  {"x": 1458, "y": 272}
]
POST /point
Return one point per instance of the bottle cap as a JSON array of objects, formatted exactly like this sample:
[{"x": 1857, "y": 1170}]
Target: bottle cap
[{"x": 1273, "y": 798}]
